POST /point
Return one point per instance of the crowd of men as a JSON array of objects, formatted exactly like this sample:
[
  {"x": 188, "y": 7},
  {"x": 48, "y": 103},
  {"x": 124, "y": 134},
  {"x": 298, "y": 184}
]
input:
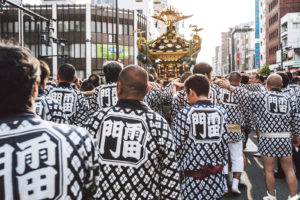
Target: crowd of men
[{"x": 62, "y": 139}]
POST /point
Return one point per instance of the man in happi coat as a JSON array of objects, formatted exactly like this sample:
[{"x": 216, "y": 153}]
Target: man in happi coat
[
  {"x": 201, "y": 140},
  {"x": 277, "y": 119},
  {"x": 73, "y": 102},
  {"x": 39, "y": 159},
  {"x": 137, "y": 152}
]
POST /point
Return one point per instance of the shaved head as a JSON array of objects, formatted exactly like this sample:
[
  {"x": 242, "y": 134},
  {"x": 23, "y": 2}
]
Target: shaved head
[
  {"x": 134, "y": 82},
  {"x": 274, "y": 81},
  {"x": 235, "y": 77}
]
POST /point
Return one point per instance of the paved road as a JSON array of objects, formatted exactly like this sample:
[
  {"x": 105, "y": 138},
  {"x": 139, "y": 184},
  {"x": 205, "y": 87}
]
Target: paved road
[{"x": 256, "y": 188}]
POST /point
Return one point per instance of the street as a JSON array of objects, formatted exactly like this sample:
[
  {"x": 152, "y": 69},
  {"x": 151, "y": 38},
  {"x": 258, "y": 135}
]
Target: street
[{"x": 256, "y": 188}]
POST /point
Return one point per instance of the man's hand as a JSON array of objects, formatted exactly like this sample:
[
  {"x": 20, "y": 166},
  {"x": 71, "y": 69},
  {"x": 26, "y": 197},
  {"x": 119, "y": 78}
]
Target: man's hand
[
  {"x": 296, "y": 140},
  {"x": 153, "y": 85}
]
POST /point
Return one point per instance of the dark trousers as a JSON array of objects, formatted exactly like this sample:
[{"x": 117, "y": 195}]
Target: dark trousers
[{"x": 296, "y": 161}]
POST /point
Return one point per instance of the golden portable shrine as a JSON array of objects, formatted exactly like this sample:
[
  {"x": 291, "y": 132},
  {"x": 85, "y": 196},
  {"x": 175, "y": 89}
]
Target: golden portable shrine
[{"x": 169, "y": 55}]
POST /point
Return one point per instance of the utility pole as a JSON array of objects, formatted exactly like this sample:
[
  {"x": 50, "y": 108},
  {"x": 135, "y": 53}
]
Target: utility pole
[{"x": 117, "y": 31}]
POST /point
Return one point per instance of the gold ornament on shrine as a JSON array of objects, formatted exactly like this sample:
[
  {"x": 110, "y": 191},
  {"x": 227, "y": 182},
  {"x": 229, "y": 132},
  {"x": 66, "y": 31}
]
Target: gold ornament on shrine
[{"x": 169, "y": 55}]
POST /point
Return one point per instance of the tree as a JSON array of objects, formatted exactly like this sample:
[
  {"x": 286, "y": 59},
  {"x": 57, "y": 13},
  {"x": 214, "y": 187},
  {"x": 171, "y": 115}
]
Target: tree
[{"x": 265, "y": 71}]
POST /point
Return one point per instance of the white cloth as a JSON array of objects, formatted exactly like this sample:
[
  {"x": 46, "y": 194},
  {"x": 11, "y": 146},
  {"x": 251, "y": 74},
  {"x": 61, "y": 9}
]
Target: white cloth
[{"x": 236, "y": 155}]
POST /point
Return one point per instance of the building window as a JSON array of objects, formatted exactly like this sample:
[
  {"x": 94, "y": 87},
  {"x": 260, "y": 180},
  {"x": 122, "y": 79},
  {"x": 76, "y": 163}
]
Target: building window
[
  {"x": 83, "y": 26},
  {"x": 82, "y": 55},
  {"x": 72, "y": 26},
  {"x": 60, "y": 26},
  {"x": 77, "y": 26},
  {"x": 66, "y": 26},
  {"x": 32, "y": 28},
  {"x": 10, "y": 27},
  {"x": 121, "y": 29},
  {"x": 94, "y": 50},
  {"x": 296, "y": 25},
  {"x": 16, "y": 27},
  {"x": 93, "y": 26},
  {"x": 98, "y": 27},
  {"x": 26, "y": 27},
  {"x": 104, "y": 27},
  {"x": 109, "y": 27},
  {"x": 125, "y": 29},
  {"x": 130, "y": 29}
]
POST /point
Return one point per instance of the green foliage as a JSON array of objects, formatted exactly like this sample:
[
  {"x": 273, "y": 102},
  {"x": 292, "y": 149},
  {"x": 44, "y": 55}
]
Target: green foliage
[{"x": 265, "y": 71}]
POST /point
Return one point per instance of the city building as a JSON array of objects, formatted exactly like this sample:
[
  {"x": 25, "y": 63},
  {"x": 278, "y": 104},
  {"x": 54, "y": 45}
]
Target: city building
[
  {"x": 260, "y": 33},
  {"x": 275, "y": 10},
  {"x": 89, "y": 31},
  {"x": 290, "y": 40},
  {"x": 225, "y": 37}
]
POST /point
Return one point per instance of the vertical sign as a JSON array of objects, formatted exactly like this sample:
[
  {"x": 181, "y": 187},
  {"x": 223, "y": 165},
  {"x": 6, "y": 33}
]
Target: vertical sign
[
  {"x": 256, "y": 19},
  {"x": 257, "y": 54}
]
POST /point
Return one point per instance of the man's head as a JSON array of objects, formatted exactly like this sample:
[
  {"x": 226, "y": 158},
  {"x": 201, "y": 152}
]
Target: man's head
[
  {"x": 245, "y": 79},
  {"x": 132, "y": 83},
  {"x": 66, "y": 73},
  {"x": 204, "y": 69},
  {"x": 294, "y": 75},
  {"x": 94, "y": 79},
  {"x": 254, "y": 78},
  {"x": 194, "y": 92},
  {"x": 184, "y": 76},
  {"x": 274, "y": 81},
  {"x": 235, "y": 78},
  {"x": 112, "y": 70},
  {"x": 45, "y": 73},
  {"x": 19, "y": 79},
  {"x": 289, "y": 74},
  {"x": 261, "y": 79},
  {"x": 285, "y": 79}
]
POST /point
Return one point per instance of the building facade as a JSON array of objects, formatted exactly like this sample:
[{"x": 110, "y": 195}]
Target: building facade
[
  {"x": 275, "y": 9},
  {"x": 225, "y": 56},
  {"x": 290, "y": 40},
  {"x": 90, "y": 32},
  {"x": 260, "y": 33}
]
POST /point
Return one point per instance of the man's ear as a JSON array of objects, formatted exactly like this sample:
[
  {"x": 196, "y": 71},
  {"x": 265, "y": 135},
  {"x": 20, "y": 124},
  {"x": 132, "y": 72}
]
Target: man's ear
[
  {"x": 57, "y": 77},
  {"x": 119, "y": 88},
  {"x": 74, "y": 79},
  {"x": 148, "y": 88}
]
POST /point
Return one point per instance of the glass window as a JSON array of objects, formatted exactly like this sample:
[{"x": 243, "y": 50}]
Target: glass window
[
  {"x": 49, "y": 51},
  {"x": 93, "y": 26},
  {"x": 109, "y": 27},
  {"x": 104, "y": 27},
  {"x": 77, "y": 26},
  {"x": 44, "y": 24},
  {"x": 66, "y": 26},
  {"x": 32, "y": 28},
  {"x": 32, "y": 48},
  {"x": 60, "y": 50},
  {"x": 72, "y": 50},
  {"x": 44, "y": 50},
  {"x": 60, "y": 26},
  {"x": 98, "y": 27},
  {"x": 130, "y": 29},
  {"x": 10, "y": 27},
  {"x": 94, "y": 50},
  {"x": 83, "y": 26},
  {"x": 77, "y": 50},
  {"x": 131, "y": 51},
  {"x": 82, "y": 51},
  {"x": 26, "y": 27},
  {"x": 121, "y": 29},
  {"x": 125, "y": 29},
  {"x": 72, "y": 26}
]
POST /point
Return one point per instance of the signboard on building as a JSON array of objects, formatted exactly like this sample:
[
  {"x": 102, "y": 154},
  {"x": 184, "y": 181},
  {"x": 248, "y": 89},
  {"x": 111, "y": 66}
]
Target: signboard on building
[
  {"x": 278, "y": 56},
  {"x": 109, "y": 51},
  {"x": 256, "y": 19},
  {"x": 257, "y": 54}
]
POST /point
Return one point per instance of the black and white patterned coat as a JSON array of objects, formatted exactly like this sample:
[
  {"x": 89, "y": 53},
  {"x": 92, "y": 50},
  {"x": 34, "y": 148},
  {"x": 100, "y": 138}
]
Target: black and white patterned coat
[
  {"x": 179, "y": 100},
  {"x": 49, "y": 110},
  {"x": 136, "y": 153},
  {"x": 275, "y": 112},
  {"x": 201, "y": 138},
  {"x": 254, "y": 87},
  {"x": 296, "y": 89},
  {"x": 155, "y": 99},
  {"x": 45, "y": 160},
  {"x": 238, "y": 109},
  {"x": 73, "y": 102},
  {"x": 104, "y": 96}
]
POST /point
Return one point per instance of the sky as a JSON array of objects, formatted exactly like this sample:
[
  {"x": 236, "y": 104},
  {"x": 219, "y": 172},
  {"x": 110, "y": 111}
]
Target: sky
[{"x": 214, "y": 16}]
